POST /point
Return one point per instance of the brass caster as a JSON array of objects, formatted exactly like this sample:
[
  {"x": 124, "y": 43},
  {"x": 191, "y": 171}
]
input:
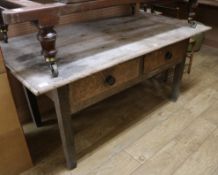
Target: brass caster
[{"x": 54, "y": 69}]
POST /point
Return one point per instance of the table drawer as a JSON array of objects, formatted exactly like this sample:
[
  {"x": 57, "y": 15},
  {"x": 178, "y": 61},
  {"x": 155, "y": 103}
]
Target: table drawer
[
  {"x": 165, "y": 56},
  {"x": 2, "y": 67},
  {"x": 103, "y": 82}
]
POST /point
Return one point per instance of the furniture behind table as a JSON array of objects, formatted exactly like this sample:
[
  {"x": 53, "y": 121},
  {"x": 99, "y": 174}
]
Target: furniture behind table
[
  {"x": 74, "y": 17},
  {"x": 207, "y": 14}
]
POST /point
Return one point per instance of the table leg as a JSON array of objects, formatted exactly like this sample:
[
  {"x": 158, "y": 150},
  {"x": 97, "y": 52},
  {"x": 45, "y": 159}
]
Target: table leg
[
  {"x": 62, "y": 107},
  {"x": 33, "y": 107},
  {"x": 192, "y": 12},
  {"x": 177, "y": 80}
]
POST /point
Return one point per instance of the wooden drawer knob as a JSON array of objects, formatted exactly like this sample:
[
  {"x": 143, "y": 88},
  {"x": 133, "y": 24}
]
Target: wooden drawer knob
[
  {"x": 110, "y": 80},
  {"x": 168, "y": 55}
]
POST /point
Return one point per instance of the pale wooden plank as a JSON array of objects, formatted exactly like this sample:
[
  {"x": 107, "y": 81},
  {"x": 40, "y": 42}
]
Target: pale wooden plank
[
  {"x": 149, "y": 144},
  {"x": 216, "y": 88},
  {"x": 116, "y": 41},
  {"x": 204, "y": 161},
  {"x": 166, "y": 161},
  {"x": 215, "y": 172},
  {"x": 194, "y": 84},
  {"x": 210, "y": 61},
  {"x": 122, "y": 163},
  {"x": 201, "y": 102},
  {"x": 211, "y": 114}
]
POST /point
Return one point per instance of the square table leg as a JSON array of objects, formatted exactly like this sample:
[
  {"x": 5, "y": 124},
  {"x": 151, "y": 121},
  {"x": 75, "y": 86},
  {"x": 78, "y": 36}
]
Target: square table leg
[
  {"x": 62, "y": 107},
  {"x": 178, "y": 73}
]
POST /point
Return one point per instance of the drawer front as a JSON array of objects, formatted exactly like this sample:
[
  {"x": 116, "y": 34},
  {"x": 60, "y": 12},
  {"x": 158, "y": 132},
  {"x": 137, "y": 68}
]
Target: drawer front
[
  {"x": 165, "y": 56},
  {"x": 103, "y": 82},
  {"x": 2, "y": 67}
]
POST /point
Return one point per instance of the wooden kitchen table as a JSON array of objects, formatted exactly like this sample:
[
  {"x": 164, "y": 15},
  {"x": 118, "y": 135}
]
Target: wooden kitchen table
[{"x": 98, "y": 59}]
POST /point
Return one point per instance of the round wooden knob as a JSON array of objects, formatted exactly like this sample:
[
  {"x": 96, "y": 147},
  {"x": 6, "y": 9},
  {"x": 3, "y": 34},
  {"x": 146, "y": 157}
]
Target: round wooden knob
[
  {"x": 168, "y": 55},
  {"x": 110, "y": 80}
]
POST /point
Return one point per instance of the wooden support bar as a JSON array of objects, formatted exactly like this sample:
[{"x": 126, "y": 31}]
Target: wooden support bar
[{"x": 192, "y": 8}]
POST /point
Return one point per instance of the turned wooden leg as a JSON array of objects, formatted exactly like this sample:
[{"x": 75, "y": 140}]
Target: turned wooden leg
[
  {"x": 3, "y": 29},
  {"x": 192, "y": 8},
  {"x": 47, "y": 37}
]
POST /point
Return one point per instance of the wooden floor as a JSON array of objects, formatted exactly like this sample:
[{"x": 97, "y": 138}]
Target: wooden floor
[{"x": 140, "y": 132}]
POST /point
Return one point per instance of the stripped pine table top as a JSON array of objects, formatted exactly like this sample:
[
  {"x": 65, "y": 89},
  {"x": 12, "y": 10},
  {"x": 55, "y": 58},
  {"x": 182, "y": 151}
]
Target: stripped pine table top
[{"x": 86, "y": 48}]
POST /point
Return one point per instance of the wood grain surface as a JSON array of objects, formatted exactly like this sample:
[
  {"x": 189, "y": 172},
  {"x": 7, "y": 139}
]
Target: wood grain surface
[
  {"x": 96, "y": 84},
  {"x": 166, "y": 56},
  {"x": 87, "y": 48}
]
